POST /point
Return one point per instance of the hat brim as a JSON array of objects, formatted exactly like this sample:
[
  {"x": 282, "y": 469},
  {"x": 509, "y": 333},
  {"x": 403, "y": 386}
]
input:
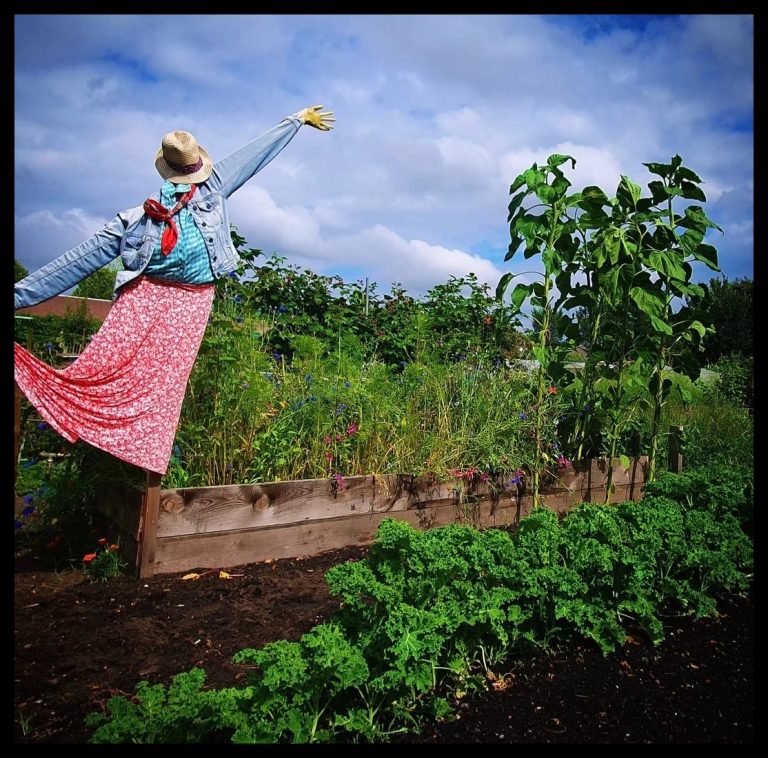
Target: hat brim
[{"x": 172, "y": 175}]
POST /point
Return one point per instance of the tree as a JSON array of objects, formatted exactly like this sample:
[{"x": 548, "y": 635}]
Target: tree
[
  {"x": 730, "y": 312},
  {"x": 19, "y": 272},
  {"x": 98, "y": 285}
]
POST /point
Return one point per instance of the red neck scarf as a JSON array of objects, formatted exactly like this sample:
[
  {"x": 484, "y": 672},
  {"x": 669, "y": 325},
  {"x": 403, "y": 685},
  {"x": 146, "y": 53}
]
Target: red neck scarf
[{"x": 155, "y": 211}]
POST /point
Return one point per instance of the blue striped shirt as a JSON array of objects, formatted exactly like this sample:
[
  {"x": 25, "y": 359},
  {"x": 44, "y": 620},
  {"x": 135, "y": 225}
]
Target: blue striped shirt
[{"x": 188, "y": 262}]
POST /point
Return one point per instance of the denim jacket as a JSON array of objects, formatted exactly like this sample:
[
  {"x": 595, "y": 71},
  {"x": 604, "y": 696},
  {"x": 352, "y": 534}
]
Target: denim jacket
[{"x": 132, "y": 235}]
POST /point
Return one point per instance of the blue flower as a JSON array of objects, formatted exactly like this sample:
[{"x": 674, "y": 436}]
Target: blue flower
[
  {"x": 555, "y": 446},
  {"x": 42, "y": 426},
  {"x": 237, "y": 298},
  {"x": 277, "y": 356},
  {"x": 238, "y": 319},
  {"x": 18, "y": 525},
  {"x": 28, "y": 499},
  {"x": 308, "y": 378},
  {"x": 340, "y": 408},
  {"x": 282, "y": 309},
  {"x": 269, "y": 376},
  {"x": 523, "y": 416},
  {"x": 28, "y": 511},
  {"x": 232, "y": 275},
  {"x": 347, "y": 385}
]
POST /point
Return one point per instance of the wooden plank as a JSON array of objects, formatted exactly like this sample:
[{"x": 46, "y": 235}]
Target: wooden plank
[
  {"x": 204, "y": 510},
  {"x": 236, "y": 547},
  {"x": 145, "y": 557}
]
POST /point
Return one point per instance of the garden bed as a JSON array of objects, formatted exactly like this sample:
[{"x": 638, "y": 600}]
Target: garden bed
[
  {"x": 77, "y": 644},
  {"x": 179, "y": 529}
]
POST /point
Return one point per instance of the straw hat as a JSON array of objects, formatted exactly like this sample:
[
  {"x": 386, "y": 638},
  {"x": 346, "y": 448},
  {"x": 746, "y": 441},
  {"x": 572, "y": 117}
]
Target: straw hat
[{"x": 181, "y": 160}]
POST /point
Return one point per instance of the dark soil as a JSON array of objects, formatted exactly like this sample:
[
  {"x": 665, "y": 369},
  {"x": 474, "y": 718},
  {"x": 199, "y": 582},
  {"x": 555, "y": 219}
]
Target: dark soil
[{"x": 77, "y": 644}]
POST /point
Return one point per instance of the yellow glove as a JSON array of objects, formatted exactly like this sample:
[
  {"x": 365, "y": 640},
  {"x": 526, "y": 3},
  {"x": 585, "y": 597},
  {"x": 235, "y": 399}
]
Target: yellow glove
[{"x": 317, "y": 117}]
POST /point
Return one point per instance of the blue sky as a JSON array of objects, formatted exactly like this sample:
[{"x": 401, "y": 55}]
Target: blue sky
[{"x": 436, "y": 115}]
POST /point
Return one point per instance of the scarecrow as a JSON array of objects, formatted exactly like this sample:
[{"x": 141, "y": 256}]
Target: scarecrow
[{"x": 124, "y": 392}]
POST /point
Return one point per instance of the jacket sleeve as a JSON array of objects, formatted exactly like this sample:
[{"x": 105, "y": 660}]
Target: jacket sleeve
[
  {"x": 73, "y": 266},
  {"x": 230, "y": 173}
]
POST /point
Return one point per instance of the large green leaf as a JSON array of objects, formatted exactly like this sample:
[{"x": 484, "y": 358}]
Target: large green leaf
[
  {"x": 519, "y": 294},
  {"x": 707, "y": 254},
  {"x": 501, "y": 287},
  {"x": 628, "y": 193},
  {"x": 514, "y": 204},
  {"x": 686, "y": 173},
  {"x": 660, "y": 169},
  {"x": 519, "y": 182},
  {"x": 513, "y": 245},
  {"x": 667, "y": 264},
  {"x": 558, "y": 159},
  {"x": 692, "y": 192}
]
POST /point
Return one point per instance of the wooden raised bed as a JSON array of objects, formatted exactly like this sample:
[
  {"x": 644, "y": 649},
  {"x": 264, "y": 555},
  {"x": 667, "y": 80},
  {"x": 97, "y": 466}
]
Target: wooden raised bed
[{"x": 164, "y": 531}]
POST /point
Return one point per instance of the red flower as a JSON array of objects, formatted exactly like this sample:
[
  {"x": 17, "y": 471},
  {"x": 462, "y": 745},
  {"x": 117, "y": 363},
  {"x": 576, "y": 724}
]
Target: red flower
[
  {"x": 552, "y": 390},
  {"x": 488, "y": 320},
  {"x": 103, "y": 541},
  {"x": 88, "y": 557}
]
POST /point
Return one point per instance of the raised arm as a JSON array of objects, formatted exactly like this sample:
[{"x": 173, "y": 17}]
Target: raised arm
[{"x": 231, "y": 172}]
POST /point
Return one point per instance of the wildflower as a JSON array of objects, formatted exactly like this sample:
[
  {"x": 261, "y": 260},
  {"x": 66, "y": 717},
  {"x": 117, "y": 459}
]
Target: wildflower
[
  {"x": 484, "y": 477},
  {"x": 18, "y": 525},
  {"x": 555, "y": 445},
  {"x": 28, "y": 499},
  {"x": 551, "y": 390},
  {"x": 88, "y": 557},
  {"x": 239, "y": 319},
  {"x": 237, "y": 298},
  {"x": 340, "y": 408},
  {"x": 282, "y": 309},
  {"x": 347, "y": 385},
  {"x": 329, "y": 456},
  {"x": 28, "y": 511},
  {"x": 523, "y": 416},
  {"x": 352, "y": 429},
  {"x": 113, "y": 548},
  {"x": 308, "y": 378},
  {"x": 516, "y": 479},
  {"x": 269, "y": 376},
  {"x": 339, "y": 481},
  {"x": 339, "y": 438},
  {"x": 488, "y": 320},
  {"x": 563, "y": 462},
  {"x": 42, "y": 426},
  {"x": 103, "y": 541},
  {"x": 232, "y": 275},
  {"x": 327, "y": 440},
  {"x": 277, "y": 356},
  {"x": 49, "y": 346}
]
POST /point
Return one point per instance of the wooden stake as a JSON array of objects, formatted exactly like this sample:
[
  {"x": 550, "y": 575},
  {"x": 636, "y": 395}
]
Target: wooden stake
[
  {"x": 150, "y": 509},
  {"x": 675, "y": 464}
]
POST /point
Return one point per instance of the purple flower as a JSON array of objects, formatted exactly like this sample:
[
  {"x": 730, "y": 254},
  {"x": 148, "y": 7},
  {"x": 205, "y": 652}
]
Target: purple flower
[
  {"x": 42, "y": 426},
  {"x": 282, "y": 309},
  {"x": 28, "y": 511},
  {"x": 523, "y": 416},
  {"x": 340, "y": 408},
  {"x": 232, "y": 275},
  {"x": 18, "y": 525},
  {"x": 277, "y": 356},
  {"x": 28, "y": 499},
  {"x": 237, "y": 298}
]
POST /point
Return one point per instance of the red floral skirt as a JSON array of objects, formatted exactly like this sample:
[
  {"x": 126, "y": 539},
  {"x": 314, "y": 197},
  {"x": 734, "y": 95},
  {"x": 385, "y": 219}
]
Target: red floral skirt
[{"x": 124, "y": 392}]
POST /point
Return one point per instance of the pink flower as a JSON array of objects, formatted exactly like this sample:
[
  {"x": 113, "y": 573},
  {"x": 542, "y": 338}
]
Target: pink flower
[
  {"x": 327, "y": 440},
  {"x": 352, "y": 429},
  {"x": 329, "y": 457},
  {"x": 339, "y": 479}
]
